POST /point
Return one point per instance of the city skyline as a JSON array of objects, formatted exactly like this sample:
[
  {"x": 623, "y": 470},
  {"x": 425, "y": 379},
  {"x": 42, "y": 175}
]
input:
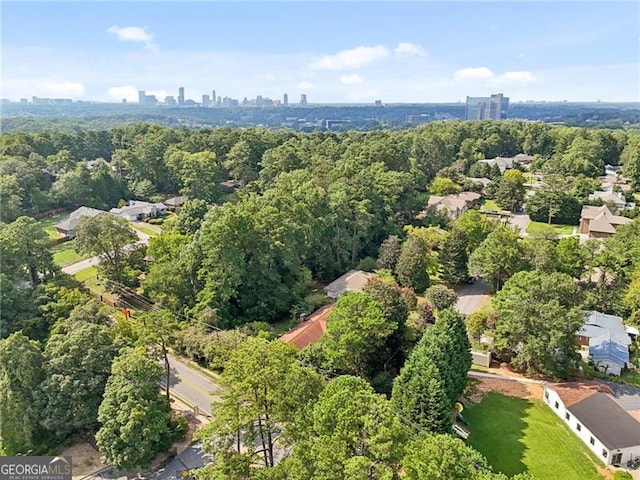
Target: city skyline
[{"x": 333, "y": 52}]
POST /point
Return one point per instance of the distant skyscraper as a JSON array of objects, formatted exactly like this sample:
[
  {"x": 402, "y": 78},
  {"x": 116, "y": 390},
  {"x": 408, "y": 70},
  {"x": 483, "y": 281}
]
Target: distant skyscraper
[
  {"x": 141, "y": 97},
  {"x": 303, "y": 99},
  {"x": 285, "y": 99},
  {"x": 485, "y": 108},
  {"x": 213, "y": 96},
  {"x": 205, "y": 100},
  {"x": 181, "y": 96}
]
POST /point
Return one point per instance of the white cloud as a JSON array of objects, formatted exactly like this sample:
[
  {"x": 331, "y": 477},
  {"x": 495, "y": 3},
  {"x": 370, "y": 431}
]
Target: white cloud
[
  {"x": 406, "y": 49},
  {"x": 353, "y": 58},
  {"x": 304, "y": 85},
  {"x": 62, "y": 89},
  {"x": 485, "y": 75},
  {"x": 351, "y": 79},
  {"x": 517, "y": 77},
  {"x": 126, "y": 91},
  {"x": 132, "y": 34},
  {"x": 473, "y": 74}
]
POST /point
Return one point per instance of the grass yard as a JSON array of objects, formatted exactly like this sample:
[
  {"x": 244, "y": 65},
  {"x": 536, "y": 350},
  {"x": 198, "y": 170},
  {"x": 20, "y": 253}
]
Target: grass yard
[
  {"x": 47, "y": 225},
  {"x": 538, "y": 228},
  {"x": 145, "y": 229},
  {"x": 65, "y": 254},
  {"x": 491, "y": 205},
  {"x": 518, "y": 435}
]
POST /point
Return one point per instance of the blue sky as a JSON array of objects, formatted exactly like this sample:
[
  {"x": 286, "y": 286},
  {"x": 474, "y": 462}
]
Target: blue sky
[{"x": 331, "y": 51}]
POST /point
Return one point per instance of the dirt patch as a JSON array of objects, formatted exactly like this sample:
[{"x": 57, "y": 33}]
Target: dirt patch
[
  {"x": 84, "y": 459},
  {"x": 479, "y": 387}
]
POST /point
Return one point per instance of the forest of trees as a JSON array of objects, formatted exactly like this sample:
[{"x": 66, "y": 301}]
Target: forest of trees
[{"x": 378, "y": 390}]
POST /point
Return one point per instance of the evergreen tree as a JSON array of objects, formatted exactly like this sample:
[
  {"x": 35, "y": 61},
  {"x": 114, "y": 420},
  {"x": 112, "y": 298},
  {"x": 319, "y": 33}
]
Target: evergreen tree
[
  {"x": 411, "y": 270},
  {"x": 454, "y": 259},
  {"x": 389, "y": 253}
]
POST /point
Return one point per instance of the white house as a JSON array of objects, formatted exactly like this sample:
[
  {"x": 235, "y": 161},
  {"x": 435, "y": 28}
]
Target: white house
[
  {"x": 605, "y": 420},
  {"x": 138, "y": 210}
]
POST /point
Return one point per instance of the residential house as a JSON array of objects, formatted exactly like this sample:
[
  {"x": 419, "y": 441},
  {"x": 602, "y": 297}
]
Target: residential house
[
  {"x": 352, "y": 281},
  {"x": 175, "y": 203},
  {"x": 310, "y": 329},
  {"x": 609, "y": 198},
  {"x": 68, "y": 225},
  {"x": 453, "y": 205},
  {"x": 608, "y": 341},
  {"x": 503, "y": 163},
  {"x": 600, "y": 222},
  {"x": 138, "y": 210},
  {"x": 603, "y": 415}
]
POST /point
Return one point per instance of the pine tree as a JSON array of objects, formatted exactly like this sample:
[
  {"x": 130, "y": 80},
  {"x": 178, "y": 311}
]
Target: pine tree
[
  {"x": 454, "y": 258},
  {"x": 411, "y": 270}
]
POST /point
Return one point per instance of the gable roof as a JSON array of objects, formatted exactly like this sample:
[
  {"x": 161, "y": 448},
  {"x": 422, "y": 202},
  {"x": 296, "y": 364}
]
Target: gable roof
[
  {"x": 612, "y": 197},
  {"x": 352, "y": 281},
  {"x": 175, "y": 201},
  {"x": 71, "y": 222},
  {"x": 137, "y": 207},
  {"x": 601, "y": 219},
  {"x": 607, "y": 348},
  {"x": 598, "y": 324},
  {"x": 309, "y": 331},
  {"x": 607, "y": 420}
]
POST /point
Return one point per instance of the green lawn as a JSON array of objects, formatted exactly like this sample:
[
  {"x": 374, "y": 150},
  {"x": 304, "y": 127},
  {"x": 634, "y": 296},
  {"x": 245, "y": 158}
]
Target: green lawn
[
  {"x": 145, "y": 229},
  {"x": 517, "y": 435},
  {"x": 65, "y": 254},
  {"x": 490, "y": 205},
  {"x": 88, "y": 277},
  {"x": 538, "y": 228},
  {"x": 48, "y": 223}
]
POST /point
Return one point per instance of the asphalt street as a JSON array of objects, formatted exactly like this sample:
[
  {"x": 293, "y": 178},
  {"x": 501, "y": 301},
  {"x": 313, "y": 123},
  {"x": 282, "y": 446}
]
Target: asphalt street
[
  {"x": 472, "y": 297},
  {"x": 192, "y": 386}
]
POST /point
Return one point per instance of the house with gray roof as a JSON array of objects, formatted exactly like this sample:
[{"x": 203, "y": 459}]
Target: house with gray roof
[
  {"x": 597, "y": 414},
  {"x": 68, "y": 225},
  {"x": 608, "y": 341},
  {"x": 139, "y": 210}
]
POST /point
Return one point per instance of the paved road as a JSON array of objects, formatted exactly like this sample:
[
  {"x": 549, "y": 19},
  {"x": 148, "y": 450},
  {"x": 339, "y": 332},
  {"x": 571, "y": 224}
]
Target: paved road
[
  {"x": 472, "y": 297},
  {"x": 192, "y": 386},
  {"x": 522, "y": 221}
]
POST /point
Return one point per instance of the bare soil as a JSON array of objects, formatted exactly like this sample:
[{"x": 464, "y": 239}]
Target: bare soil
[
  {"x": 84, "y": 459},
  {"x": 479, "y": 387}
]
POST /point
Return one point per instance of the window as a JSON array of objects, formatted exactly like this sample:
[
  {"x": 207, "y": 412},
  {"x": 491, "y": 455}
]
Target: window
[
  {"x": 567, "y": 416},
  {"x": 592, "y": 441},
  {"x": 604, "y": 453},
  {"x": 578, "y": 427},
  {"x": 557, "y": 405}
]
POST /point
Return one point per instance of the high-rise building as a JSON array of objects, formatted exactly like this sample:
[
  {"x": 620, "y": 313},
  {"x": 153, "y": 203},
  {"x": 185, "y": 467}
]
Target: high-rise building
[
  {"x": 213, "y": 96},
  {"x": 285, "y": 99},
  {"x": 205, "y": 100},
  {"x": 141, "y": 97},
  {"x": 303, "y": 99},
  {"x": 181, "y": 96},
  {"x": 486, "y": 108}
]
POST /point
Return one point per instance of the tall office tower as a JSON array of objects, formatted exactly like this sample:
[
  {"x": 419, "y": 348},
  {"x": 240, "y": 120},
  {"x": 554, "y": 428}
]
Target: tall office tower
[
  {"x": 485, "y": 108},
  {"x": 303, "y": 99},
  {"x": 205, "y": 100},
  {"x": 181, "y": 96},
  {"x": 285, "y": 99},
  {"x": 213, "y": 96},
  {"x": 142, "y": 97}
]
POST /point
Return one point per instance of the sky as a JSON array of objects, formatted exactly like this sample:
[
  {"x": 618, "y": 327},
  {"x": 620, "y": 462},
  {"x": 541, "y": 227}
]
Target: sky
[{"x": 334, "y": 52}]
